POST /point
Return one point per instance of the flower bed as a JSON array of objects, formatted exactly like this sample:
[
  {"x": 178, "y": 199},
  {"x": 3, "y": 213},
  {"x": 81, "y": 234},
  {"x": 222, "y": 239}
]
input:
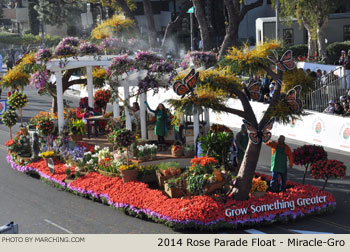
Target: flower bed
[{"x": 201, "y": 212}]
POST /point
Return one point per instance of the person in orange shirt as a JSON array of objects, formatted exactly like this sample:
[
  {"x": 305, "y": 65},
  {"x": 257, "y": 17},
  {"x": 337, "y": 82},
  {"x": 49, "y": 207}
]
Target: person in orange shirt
[{"x": 280, "y": 152}]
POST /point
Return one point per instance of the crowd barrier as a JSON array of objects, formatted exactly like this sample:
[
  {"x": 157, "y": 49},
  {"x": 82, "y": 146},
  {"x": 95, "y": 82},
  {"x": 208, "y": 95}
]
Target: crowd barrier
[{"x": 315, "y": 128}]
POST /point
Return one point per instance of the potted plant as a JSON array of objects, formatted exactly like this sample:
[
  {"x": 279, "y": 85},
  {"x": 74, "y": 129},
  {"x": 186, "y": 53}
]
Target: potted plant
[
  {"x": 147, "y": 173},
  {"x": 9, "y": 118},
  {"x": 177, "y": 150},
  {"x": 77, "y": 130},
  {"x": 259, "y": 187},
  {"x": 129, "y": 172},
  {"x": 174, "y": 187},
  {"x": 189, "y": 151},
  {"x": 122, "y": 139},
  {"x": 166, "y": 171},
  {"x": 326, "y": 169},
  {"x": 307, "y": 155},
  {"x": 18, "y": 100}
]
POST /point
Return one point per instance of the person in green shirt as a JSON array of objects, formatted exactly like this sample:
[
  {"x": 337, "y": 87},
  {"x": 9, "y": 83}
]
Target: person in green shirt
[
  {"x": 280, "y": 152},
  {"x": 242, "y": 140},
  {"x": 160, "y": 129}
]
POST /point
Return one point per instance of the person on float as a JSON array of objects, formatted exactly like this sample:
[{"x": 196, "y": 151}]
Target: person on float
[
  {"x": 242, "y": 140},
  {"x": 97, "y": 112},
  {"x": 280, "y": 153},
  {"x": 161, "y": 128}
]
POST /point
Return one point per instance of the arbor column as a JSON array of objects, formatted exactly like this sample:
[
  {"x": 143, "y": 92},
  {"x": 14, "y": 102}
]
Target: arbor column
[
  {"x": 126, "y": 105},
  {"x": 143, "y": 118},
  {"x": 116, "y": 110},
  {"x": 207, "y": 119},
  {"x": 195, "y": 125},
  {"x": 90, "y": 86},
  {"x": 60, "y": 109}
]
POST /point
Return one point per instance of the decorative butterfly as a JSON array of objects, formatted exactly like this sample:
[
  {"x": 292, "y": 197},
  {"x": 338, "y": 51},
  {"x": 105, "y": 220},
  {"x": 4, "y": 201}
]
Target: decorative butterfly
[
  {"x": 256, "y": 135},
  {"x": 253, "y": 91},
  {"x": 293, "y": 99},
  {"x": 285, "y": 63},
  {"x": 187, "y": 85}
]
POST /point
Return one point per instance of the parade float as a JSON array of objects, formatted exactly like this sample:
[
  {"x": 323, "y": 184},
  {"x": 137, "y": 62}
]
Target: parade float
[{"x": 130, "y": 173}]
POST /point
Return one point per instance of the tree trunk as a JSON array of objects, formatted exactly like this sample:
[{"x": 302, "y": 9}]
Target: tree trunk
[
  {"x": 174, "y": 25},
  {"x": 231, "y": 36},
  {"x": 152, "y": 33},
  {"x": 324, "y": 184},
  {"x": 321, "y": 40},
  {"x": 305, "y": 172},
  {"x": 311, "y": 41},
  {"x": 125, "y": 8},
  {"x": 203, "y": 24},
  {"x": 246, "y": 172}
]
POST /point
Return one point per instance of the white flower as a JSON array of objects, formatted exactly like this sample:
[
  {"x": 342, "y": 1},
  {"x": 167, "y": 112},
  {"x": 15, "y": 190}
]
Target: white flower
[
  {"x": 97, "y": 148},
  {"x": 87, "y": 153},
  {"x": 77, "y": 168}
]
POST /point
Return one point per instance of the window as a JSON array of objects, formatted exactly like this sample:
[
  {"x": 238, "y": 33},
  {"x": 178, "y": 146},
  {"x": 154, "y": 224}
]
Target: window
[
  {"x": 346, "y": 32},
  {"x": 288, "y": 36}
]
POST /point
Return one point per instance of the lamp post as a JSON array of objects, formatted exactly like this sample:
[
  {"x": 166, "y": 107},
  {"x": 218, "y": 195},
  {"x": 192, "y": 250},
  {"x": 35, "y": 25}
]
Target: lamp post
[{"x": 277, "y": 9}]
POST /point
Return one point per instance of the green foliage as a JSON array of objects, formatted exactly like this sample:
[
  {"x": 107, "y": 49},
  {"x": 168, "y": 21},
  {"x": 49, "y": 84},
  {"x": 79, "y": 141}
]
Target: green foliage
[
  {"x": 217, "y": 145},
  {"x": 166, "y": 165},
  {"x": 196, "y": 183},
  {"x": 68, "y": 172},
  {"x": 334, "y": 49},
  {"x": 9, "y": 118},
  {"x": 77, "y": 127},
  {"x": 283, "y": 113},
  {"x": 57, "y": 12},
  {"x": 28, "y": 39},
  {"x": 298, "y": 50}
]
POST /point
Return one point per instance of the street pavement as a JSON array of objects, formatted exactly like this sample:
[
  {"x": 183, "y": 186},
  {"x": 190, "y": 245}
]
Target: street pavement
[{"x": 40, "y": 208}]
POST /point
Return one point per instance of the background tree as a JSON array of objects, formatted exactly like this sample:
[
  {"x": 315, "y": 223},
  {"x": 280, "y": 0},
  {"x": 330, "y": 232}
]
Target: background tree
[
  {"x": 199, "y": 12},
  {"x": 34, "y": 22},
  {"x": 222, "y": 86},
  {"x": 313, "y": 14},
  {"x": 151, "y": 27},
  {"x": 174, "y": 25},
  {"x": 236, "y": 11}
]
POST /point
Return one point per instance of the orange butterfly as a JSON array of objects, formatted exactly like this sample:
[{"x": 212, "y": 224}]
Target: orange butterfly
[
  {"x": 293, "y": 99},
  {"x": 257, "y": 135},
  {"x": 187, "y": 85},
  {"x": 253, "y": 91},
  {"x": 285, "y": 63}
]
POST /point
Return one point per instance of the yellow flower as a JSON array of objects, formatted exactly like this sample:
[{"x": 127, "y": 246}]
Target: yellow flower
[
  {"x": 116, "y": 24},
  {"x": 47, "y": 154},
  {"x": 99, "y": 73}
]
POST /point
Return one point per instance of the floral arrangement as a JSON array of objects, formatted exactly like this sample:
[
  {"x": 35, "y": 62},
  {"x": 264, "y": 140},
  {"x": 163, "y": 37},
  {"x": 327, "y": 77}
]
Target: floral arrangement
[
  {"x": 71, "y": 41},
  {"x": 17, "y": 100},
  {"x": 20, "y": 144},
  {"x": 39, "y": 79},
  {"x": 88, "y": 48},
  {"x": 42, "y": 114},
  {"x": 72, "y": 153},
  {"x": 47, "y": 154},
  {"x": 45, "y": 126},
  {"x": 43, "y": 55},
  {"x": 121, "y": 64},
  {"x": 109, "y": 165},
  {"x": 102, "y": 97},
  {"x": 258, "y": 185},
  {"x": 99, "y": 77},
  {"x": 147, "y": 150},
  {"x": 145, "y": 59},
  {"x": 103, "y": 153},
  {"x": 64, "y": 50},
  {"x": 199, "y": 58},
  {"x": 110, "y": 43},
  {"x": 15, "y": 78},
  {"x": 326, "y": 169},
  {"x": 121, "y": 138},
  {"x": 113, "y": 27},
  {"x": 128, "y": 167},
  {"x": 169, "y": 169},
  {"x": 77, "y": 127},
  {"x": 9, "y": 118},
  {"x": 308, "y": 154},
  {"x": 198, "y": 212}
]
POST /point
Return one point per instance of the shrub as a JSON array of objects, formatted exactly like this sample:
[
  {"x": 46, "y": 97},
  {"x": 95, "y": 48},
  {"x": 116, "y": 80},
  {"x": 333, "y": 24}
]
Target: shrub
[
  {"x": 326, "y": 169},
  {"x": 334, "y": 49},
  {"x": 298, "y": 50}
]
